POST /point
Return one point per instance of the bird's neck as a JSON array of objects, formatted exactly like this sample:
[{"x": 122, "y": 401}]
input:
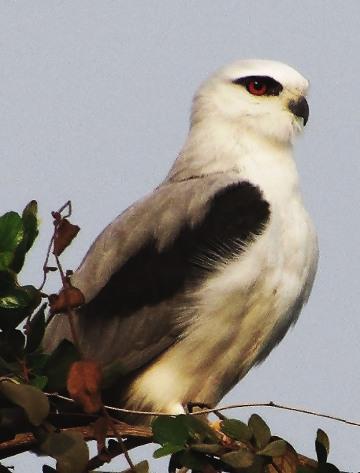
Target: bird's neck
[{"x": 216, "y": 147}]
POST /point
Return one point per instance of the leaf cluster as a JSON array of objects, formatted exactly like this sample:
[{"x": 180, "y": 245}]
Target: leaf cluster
[
  {"x": 233, "y": 446},
  {"x": 25, "y": 370}
]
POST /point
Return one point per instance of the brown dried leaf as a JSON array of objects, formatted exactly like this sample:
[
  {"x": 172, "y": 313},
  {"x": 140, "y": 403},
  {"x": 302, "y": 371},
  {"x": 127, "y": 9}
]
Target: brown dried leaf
[
  {"x": 68, "y": 298},
  {"x": 64, "y": 234},
  {"x": 142, "y": 467},
  {"x": 84, "y": 385}
]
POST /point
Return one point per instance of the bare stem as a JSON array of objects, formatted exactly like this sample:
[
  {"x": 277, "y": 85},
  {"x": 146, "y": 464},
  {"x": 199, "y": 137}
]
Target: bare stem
[
  {"x": 69, "y": 312},
  {"x": 226, "y": 408},
  {"x": 119, "y": 439},
  {"x": 63, "y": 207}
]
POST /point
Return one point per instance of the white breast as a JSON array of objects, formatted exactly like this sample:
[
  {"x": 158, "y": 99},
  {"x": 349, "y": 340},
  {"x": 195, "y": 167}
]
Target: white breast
[
  {"x": 243, "y": 311},
  {"x": 245, "y": 308}
]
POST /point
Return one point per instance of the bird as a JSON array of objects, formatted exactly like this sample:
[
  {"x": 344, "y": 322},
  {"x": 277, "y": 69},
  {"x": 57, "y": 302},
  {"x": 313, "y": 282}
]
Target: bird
[{"x": 194, "y": 284}]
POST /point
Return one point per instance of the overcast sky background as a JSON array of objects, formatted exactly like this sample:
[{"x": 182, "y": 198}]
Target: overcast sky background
[{"x": 94, "y": 105}]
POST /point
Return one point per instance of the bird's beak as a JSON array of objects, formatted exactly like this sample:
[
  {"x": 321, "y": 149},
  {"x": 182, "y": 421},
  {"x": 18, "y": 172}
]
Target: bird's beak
[{"x": 300, "y": 108}]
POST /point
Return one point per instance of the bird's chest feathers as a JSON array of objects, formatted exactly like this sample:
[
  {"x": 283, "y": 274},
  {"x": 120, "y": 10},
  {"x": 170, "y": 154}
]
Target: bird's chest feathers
[
  {"x": 243, "y": 309},
  {"x": 249, "y": 304}
]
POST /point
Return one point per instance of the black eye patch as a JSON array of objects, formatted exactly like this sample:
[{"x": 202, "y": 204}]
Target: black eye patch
[{"x": 260, "y": 85}]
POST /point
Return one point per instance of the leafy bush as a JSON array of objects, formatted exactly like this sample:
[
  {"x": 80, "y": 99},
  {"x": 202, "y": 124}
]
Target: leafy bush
[{"x": 33, "y": 416}]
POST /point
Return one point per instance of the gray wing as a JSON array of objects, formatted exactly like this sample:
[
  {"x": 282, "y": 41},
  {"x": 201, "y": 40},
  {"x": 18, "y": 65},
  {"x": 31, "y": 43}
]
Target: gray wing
[{"x": 139, "y": 274}]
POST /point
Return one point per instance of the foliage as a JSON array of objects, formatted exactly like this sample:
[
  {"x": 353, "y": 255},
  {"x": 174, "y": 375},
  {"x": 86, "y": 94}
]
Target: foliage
[{"x": 28, "y": 376}]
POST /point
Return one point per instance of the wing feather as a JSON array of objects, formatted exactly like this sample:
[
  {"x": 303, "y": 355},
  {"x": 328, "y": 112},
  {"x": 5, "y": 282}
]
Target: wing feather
[{"x": 138, "y": 275}]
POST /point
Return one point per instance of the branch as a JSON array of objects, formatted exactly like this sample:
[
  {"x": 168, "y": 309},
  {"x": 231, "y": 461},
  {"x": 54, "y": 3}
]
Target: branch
[
  {"x": 27, "y": 441},
  {"x": 136, "y": 436},
  {"x": 223, "y": 408}
]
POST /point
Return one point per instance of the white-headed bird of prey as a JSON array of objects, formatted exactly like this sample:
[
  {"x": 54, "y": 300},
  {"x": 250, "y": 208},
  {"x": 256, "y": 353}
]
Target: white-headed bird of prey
[{"x": 198, "y": 281}]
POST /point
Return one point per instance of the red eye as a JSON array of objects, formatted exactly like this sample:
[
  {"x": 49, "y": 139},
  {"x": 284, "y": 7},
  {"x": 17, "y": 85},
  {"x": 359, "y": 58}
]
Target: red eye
[{"x": 257, "y": 87}]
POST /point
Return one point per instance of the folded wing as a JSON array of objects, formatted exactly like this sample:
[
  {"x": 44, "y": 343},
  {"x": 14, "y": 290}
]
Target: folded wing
[{"x": 139, "y": 275}]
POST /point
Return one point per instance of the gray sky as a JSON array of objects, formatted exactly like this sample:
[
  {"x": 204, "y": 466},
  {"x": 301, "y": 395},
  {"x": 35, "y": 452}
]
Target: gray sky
[{"x": 94, "y": 105}]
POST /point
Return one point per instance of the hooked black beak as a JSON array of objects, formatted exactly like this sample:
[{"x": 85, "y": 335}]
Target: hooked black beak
[{"x": 300, "y": 108}]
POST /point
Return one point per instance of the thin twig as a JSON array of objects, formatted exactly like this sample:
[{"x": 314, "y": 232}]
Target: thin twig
[
  {"x": 45, "y": 265},
  {"x": 69, "y": 312},
  {"x": 224, "y": 408},
  {"x": 23, "y": 442},
  {"x": 119, "y": 439},
  {"x": 114, "y": 450},
  {"x": 63, "y": 207}
]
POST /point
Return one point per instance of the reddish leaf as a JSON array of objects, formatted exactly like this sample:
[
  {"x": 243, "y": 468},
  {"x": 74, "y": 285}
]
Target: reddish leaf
[
  {"x": 84, "y": 385},
  {"x": 65, "y": 232},
  {"x": 68, "y": 298}
]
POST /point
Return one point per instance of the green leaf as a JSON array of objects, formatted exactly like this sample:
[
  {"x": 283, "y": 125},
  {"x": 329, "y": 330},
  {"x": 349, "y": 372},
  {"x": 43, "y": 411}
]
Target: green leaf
[
  {"x": 6, "y": 258},
  {"x": 39, "y": 382},
  {"x": 69, "y": 450},
  {"x": 170, "y": 430},
  {"x": 58, "y": 365},
  {"x": 11, "y": 235},
  {"x": 37, "y": 362},
  {"x": 327, "y": 468},
  {"x": 32, "y": 400},
  {"x": 239, "y": 458},
  {"x": 198, "y": 429},
  {"x": 259, "y": 465},
  {"x": 7, "y": 280},
  {"x": 13, "y": 296},
  {"x": 12, "y": 344},
  {"x": 30, "y": 222},
  {"x": 236, "y": 430},
  {"x": 277, "y": 448},
  {"x": 16, "y": 298},
  {"x": 322, "y": 446},
  {"x": 8, "y": 368},
  {"x": 260, "y": 430},
  {"x": 167, "y": 449},
  {"x": 36, "y": 330},
  {"x": 30, "y": 226},
  {"x": 12, "y": 421},
  {"x": 16, "y": 302},
  {"x": 207, "y": 448},
  {"x": 193, "y": 460}
]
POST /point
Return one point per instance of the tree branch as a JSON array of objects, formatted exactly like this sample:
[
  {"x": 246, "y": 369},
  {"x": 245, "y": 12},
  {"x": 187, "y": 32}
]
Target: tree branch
[{"x": 26, "y": 441}]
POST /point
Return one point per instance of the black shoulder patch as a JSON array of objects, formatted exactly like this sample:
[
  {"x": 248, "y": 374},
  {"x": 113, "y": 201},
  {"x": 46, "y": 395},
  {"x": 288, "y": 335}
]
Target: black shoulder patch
[{"x": 236, "y": 213}]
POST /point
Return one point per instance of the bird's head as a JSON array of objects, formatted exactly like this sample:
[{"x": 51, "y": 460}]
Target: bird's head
[{"x": 266, "y": 97}]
